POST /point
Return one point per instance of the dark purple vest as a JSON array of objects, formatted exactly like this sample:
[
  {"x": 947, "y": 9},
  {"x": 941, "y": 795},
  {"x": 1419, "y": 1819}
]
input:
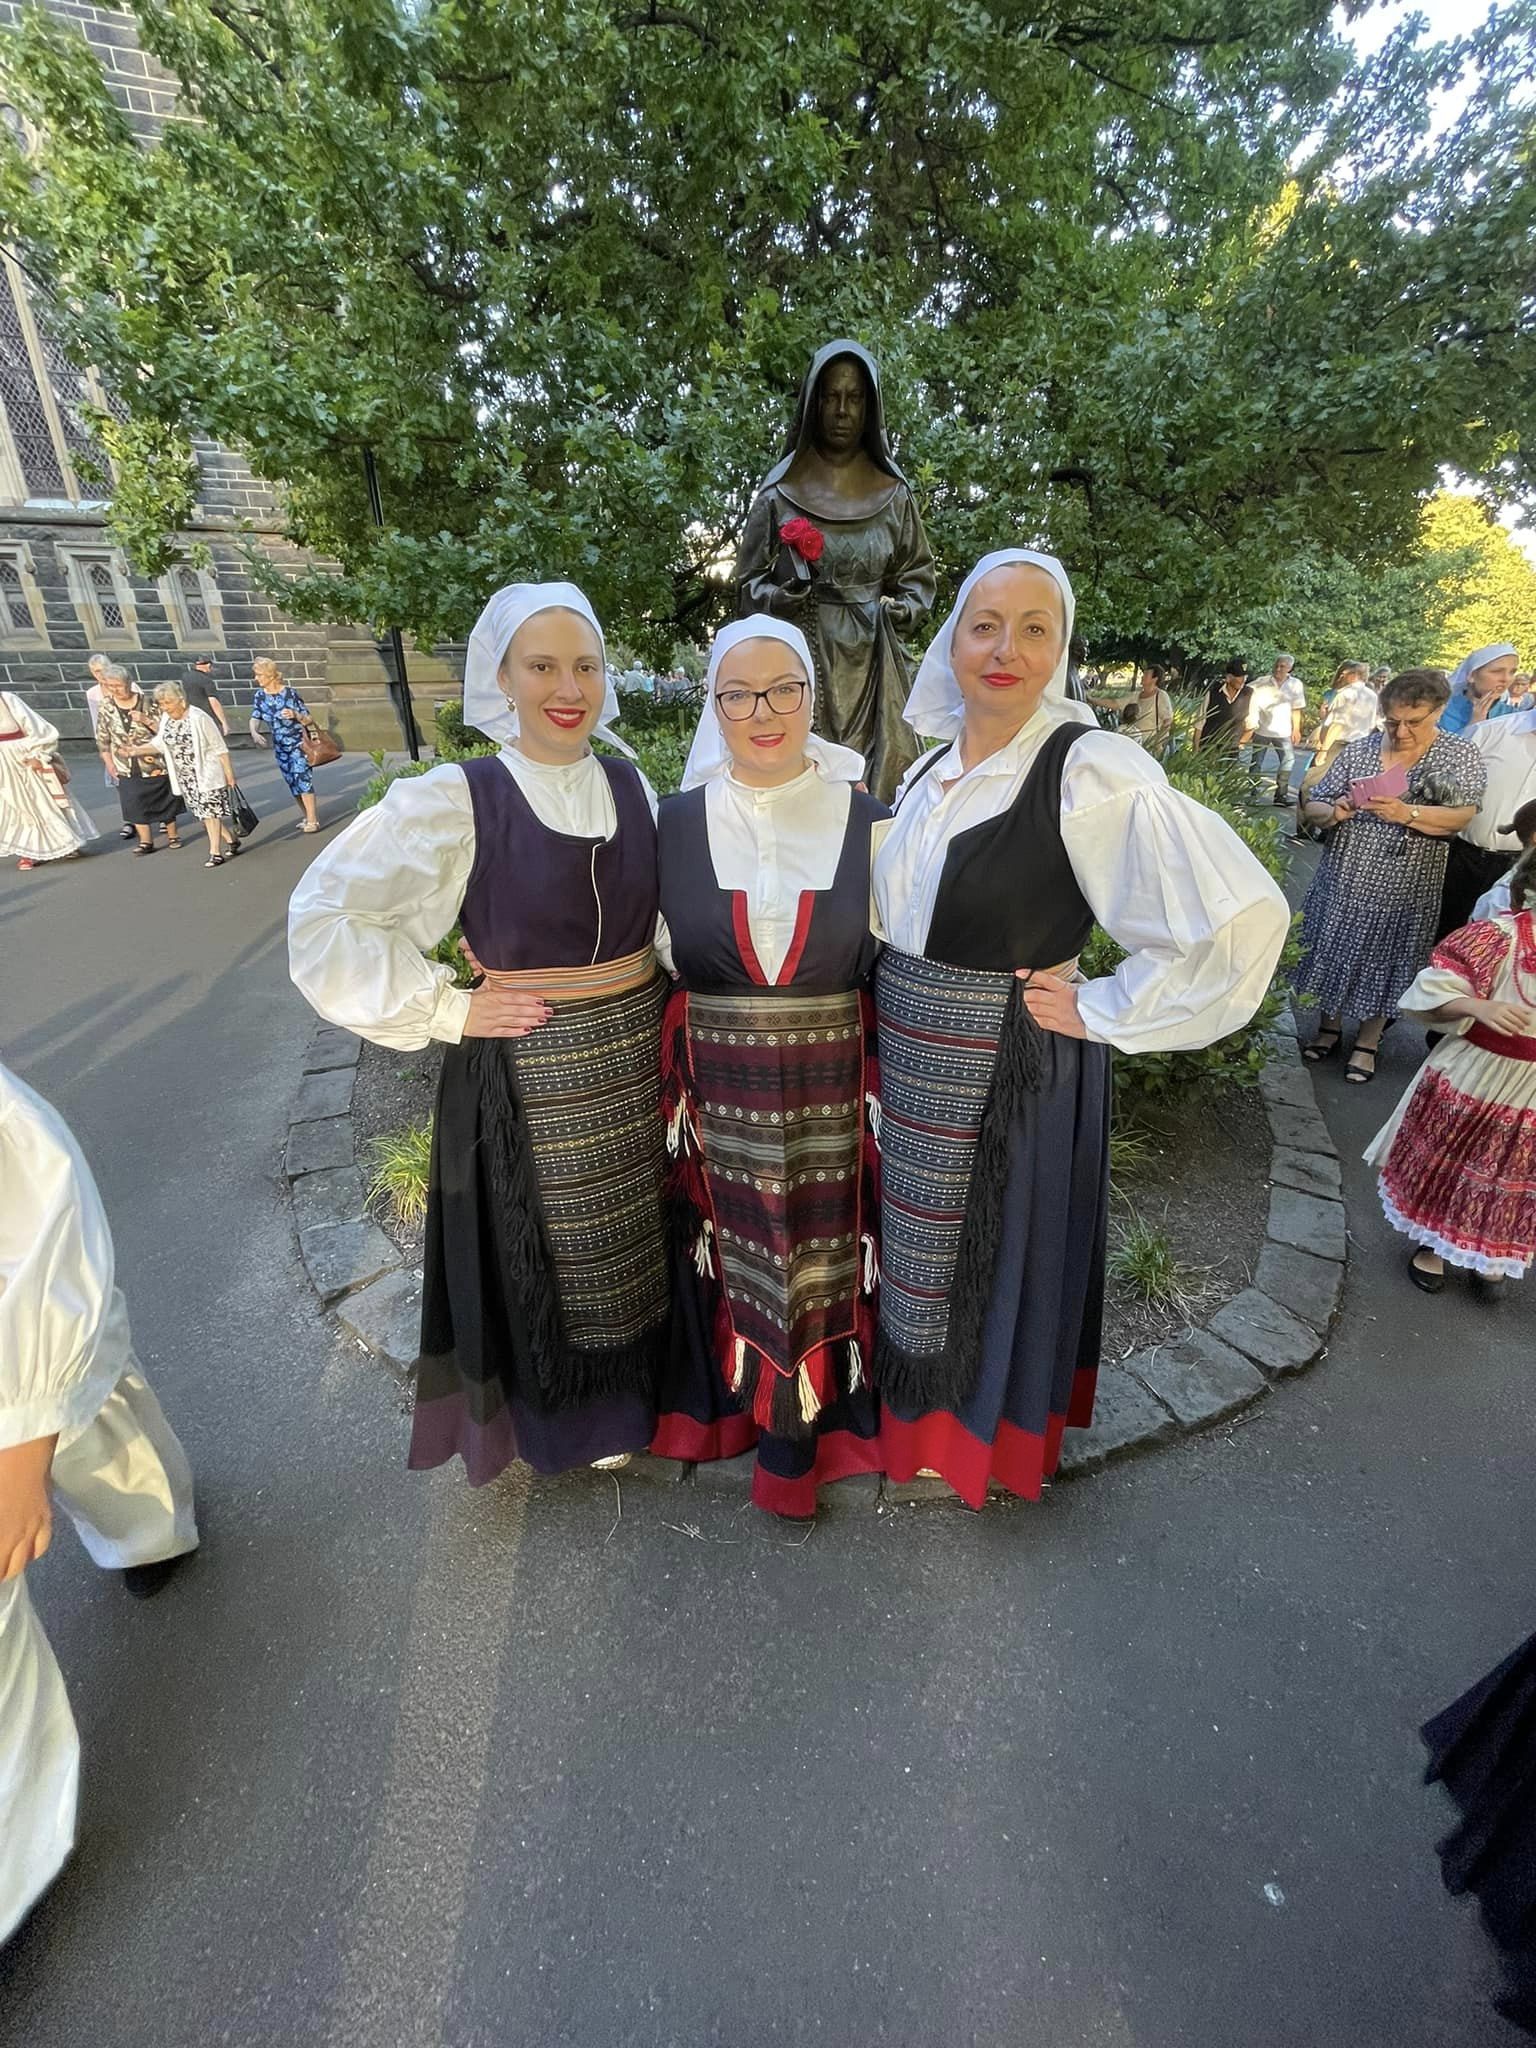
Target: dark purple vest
[
  {"x": 832, "y": 949},
  {"x": 538, "y": 898}
]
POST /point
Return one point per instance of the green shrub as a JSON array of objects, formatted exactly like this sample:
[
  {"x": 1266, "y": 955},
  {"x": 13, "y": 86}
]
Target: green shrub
[{"x": 398, "y": 1164}]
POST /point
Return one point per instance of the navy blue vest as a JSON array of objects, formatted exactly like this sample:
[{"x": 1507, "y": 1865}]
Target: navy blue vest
[
  {"x": 832, "y": 950},
  {"x": 538, "y": 898}
]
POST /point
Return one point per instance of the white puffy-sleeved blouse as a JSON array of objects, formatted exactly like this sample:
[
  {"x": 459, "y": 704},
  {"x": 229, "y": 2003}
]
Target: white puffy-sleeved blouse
[
  {"x": 64, "y": 1337},
  {"x": 393, "y": 883},
  {"x": 772, "y": 844},
  {"x": 1200, "y": 919}
]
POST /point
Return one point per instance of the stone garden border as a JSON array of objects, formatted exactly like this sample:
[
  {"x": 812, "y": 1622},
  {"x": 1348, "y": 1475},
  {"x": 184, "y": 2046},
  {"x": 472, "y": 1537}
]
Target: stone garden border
[{"x": 1276, "y": 1325}]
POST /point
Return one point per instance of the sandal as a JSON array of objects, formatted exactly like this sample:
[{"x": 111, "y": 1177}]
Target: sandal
[
  {"x": 217, "y": 861},
  {"x": 1358, "y": 1076},
  {"x": 1323, "y": 1047},
  {"x": 140, "y": 851},
  {"x": 174, "y": 845},
  {"x": 25, "y": 864}
]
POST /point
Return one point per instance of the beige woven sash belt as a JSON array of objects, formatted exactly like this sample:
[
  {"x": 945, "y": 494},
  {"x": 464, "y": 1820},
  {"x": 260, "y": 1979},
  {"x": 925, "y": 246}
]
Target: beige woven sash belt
[{"x": 573, "y": 984}]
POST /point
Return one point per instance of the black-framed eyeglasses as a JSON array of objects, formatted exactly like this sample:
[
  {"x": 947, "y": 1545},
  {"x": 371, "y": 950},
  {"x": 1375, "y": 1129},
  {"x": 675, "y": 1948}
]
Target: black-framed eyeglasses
[{"x": 737, "y": 704}]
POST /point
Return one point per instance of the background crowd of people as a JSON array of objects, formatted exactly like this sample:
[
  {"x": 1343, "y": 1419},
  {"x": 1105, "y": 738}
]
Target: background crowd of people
[{"x": 166, "y": 753}]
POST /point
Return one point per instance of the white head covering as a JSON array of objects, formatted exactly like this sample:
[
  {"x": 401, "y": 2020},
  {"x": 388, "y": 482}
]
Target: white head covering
[
  {"x": 936, "y": 708},
  {"x": 485, "y": 702},
  {"x": 709, "y": 755},
  {"x": 1461, "y": 680}
]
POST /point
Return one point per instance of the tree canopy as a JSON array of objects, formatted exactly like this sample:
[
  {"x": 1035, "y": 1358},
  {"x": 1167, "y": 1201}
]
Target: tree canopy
[{"x": 1183, "y": 290}]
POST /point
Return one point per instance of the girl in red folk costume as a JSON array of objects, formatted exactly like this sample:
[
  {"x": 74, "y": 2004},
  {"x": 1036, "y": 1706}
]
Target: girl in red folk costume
[
  {"x": 1009, "y": 843},
  {"x": 544, "y": 1293},
  {"x": 765, "y": 893},
  {"x": 1458, "y": 1158}
]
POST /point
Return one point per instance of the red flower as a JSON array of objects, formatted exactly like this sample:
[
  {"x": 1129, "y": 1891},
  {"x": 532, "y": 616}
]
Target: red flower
[{"x": 808, "y": 541}]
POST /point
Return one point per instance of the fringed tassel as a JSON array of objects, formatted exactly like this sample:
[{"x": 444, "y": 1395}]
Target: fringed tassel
[
  {"x": 738, "y": 1365},
  {"x": 682, "y": 1137},
  {"x": 810, "y": 1400},
  {"x": 855, "y": 1366},
  {"x": 872, "y": 1112},
  {"x": 871, "y": 1263},
  {"x": 703, "y": 1258}
]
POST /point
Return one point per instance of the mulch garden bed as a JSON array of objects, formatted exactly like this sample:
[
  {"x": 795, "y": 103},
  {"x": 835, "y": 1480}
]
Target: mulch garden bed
[{"x": 1202, "y": 1179}]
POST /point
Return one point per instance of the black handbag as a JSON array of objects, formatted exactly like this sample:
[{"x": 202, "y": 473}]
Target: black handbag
[{"x": 245, "y": 819}]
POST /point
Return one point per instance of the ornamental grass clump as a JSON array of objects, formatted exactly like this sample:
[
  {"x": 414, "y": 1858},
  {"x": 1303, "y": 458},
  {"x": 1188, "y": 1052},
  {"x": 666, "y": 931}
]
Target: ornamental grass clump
[
  {"x": 1144, "y": 1259},
  {"x": 398, "y": 1163}
]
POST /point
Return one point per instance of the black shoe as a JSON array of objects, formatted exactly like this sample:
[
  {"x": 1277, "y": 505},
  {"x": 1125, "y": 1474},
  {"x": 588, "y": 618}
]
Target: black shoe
[
  {"x": 126, "y": 833},
  {"x": 1427, "y": 1283},
  {"x": 1357, "y": 1077},
  {"x": 144, "y": 1581},
  {"x": 1487, "y": 1288}
]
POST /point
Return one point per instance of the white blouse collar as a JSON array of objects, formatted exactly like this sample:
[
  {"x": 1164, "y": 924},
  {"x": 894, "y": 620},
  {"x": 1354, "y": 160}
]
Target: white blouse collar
[
  {"x": 1008, "y": 758},
  {"x": 559, "y": 774},
  {"x": 759, "y": 798}
]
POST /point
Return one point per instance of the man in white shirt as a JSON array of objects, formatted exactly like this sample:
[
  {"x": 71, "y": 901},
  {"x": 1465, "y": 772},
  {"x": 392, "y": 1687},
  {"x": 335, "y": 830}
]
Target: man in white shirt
[
  {"x": 78, "y": 1425},
  {"x": 1274, "y": 717},
  {"x": 1496, "y": 899},
  {"x": 1482, "y": 851}
]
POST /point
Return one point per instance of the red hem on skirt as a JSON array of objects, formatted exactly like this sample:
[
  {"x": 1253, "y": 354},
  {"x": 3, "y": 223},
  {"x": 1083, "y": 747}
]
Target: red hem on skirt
[
  {"x": 1020, "y": 1460},
  {"x": 840, "y": 1454},
  {"x": 701, "y": 1443}
]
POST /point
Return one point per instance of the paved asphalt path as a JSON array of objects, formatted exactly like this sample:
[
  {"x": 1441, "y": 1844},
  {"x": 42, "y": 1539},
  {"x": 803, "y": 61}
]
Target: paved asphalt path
[{"x": 587, "y": 1763}]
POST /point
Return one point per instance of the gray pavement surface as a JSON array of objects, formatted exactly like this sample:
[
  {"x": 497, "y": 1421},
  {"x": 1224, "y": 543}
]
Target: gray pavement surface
[{"x": 587, "y": 1763}]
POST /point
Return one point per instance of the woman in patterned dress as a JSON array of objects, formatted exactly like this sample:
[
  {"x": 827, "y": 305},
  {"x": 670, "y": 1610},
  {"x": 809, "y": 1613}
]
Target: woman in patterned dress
[
  {"x": 200, "y": 769},
  {"x": 765, "y": 859},
  {"x": 278, "y": 717},
  {"x": 1458, "y": 1158},
  {"x": 1368, "y": 923}
]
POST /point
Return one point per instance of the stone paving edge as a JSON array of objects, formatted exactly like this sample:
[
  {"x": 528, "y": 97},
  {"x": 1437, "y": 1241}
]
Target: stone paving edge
[{"x": 1180, "y": 1387}]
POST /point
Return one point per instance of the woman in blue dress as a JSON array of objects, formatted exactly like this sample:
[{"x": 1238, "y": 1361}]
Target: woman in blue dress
[{"x": 278, "y": 718}]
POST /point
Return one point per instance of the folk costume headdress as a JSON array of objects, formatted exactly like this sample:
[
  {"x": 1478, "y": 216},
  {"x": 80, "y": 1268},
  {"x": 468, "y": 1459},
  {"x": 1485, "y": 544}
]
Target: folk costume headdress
[
  {"x": 709, "y": 755},
  {"x": 486, "y": 706},
  {"x": 936, "y": 709}
]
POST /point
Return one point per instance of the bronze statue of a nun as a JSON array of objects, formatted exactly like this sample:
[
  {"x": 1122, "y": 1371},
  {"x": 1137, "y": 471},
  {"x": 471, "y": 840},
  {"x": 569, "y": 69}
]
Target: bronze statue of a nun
[{"x": 834, "y": 544}]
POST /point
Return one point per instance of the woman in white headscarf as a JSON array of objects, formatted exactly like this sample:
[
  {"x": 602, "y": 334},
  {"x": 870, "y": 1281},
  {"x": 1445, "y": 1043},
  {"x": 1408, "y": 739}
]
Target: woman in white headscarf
[
  {"x": 765, "y": 861},
  {"x": 544, "y": 1300},
  {"x": 1478, "y": 685},
  {"x": 1010, "y": 842}
]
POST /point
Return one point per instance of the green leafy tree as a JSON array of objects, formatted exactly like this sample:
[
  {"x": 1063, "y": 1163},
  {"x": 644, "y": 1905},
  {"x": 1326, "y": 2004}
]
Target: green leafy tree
[
  {"x": 1491, "y": 593},
  {"x": 1175, "y": 287}
]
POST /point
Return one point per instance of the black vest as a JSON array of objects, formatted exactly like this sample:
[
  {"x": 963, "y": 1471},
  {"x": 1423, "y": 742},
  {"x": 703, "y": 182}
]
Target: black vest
[{"x": 1007, "y": 896}]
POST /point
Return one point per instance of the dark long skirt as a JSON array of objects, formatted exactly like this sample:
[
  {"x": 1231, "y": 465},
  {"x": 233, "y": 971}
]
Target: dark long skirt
[
  {"x": 1482, "y": 1748},
  {"x": 1041, "y": 1313},
  {"x": 148, "y": 800},
  {"x": 544, "y": 1292}
]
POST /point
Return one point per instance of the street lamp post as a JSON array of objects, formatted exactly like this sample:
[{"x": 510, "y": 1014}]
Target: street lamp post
[{"x": 400, "y": 688}]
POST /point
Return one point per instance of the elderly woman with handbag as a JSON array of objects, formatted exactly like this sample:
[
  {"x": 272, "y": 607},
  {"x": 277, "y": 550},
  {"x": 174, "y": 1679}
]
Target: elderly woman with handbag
[
  {"x": 200, "y": 769},
  {"x": 281, "y": 719},
  {"x": 39, "y": 820}
]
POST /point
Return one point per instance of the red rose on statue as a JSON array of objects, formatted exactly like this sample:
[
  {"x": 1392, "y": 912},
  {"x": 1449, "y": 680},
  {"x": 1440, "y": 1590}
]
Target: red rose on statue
[{"x": 808, "y": 541}]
